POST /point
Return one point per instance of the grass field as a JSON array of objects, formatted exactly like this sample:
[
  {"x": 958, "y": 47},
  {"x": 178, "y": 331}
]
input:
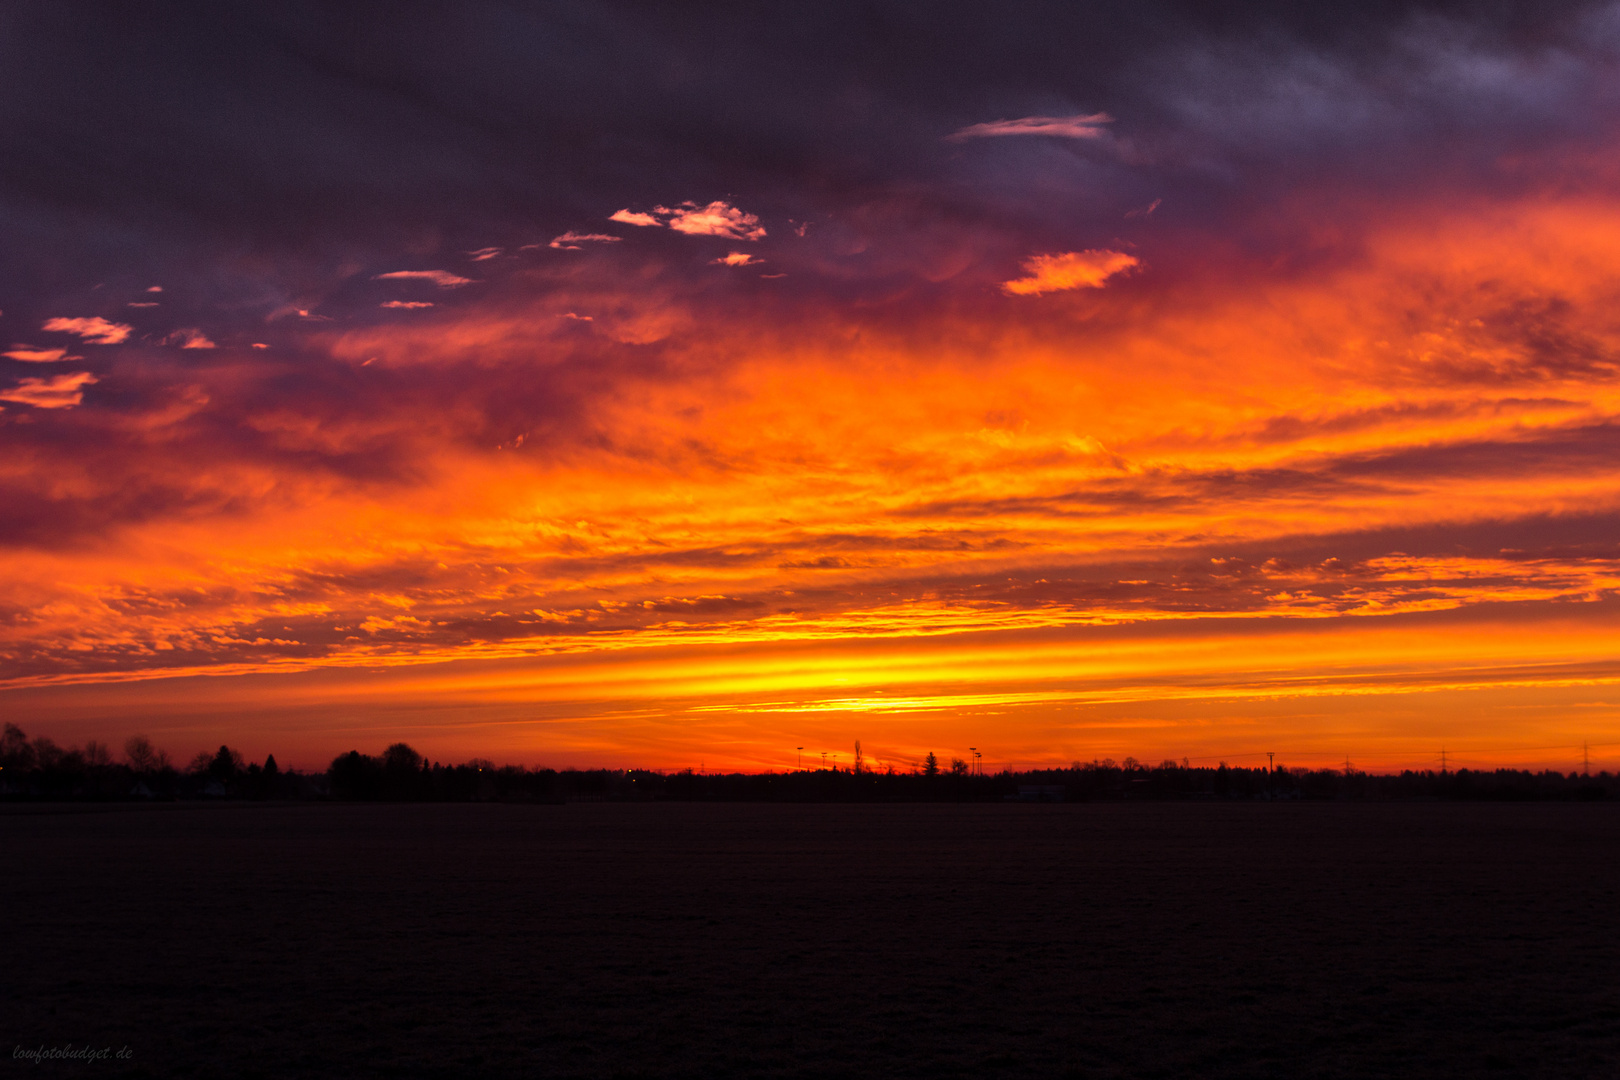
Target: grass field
[{"x": 705, "y": 940}]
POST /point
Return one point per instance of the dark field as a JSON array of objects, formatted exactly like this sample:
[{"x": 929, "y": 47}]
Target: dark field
[{"x": 855, "y": 940}]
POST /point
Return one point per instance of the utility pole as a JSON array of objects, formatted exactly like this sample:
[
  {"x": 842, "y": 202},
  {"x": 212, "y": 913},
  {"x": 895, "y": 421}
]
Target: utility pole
[
  {"x": 1586, "y": 760},
  {"x": 973, "y": 754},
  {"x": 801, "y": 759},
  {"x": 1271, "y": 771},
  {"x": 1442, "y": 761}
]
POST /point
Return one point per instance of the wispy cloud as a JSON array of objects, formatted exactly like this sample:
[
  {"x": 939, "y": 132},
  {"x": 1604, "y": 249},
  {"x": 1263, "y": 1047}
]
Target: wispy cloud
[
  {"x": 407, "y": 305},
  {"x": 442, "y": 278},
  {"x": 718, "y": 218},
  {"x": 1063, "y": 127},
  {"x": 571, "y": 241},
  {"x": 1069, "y": 270},
  {"x": 94, "y": 330},
  {"x": 484, "y": 254},
  {"x": 55, "y": 392},
  {"x": 738, "y": 258},
  {"x": 34, "y": 355},
  {"x": 189, "y": 337}
]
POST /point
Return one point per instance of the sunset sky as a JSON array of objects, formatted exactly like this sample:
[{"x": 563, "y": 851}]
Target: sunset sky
[{"x": 681, "y": 385}]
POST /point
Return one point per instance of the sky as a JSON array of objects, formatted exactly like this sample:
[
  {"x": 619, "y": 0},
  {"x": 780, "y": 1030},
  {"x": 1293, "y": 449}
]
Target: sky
[{"x": 713, "y": 385}]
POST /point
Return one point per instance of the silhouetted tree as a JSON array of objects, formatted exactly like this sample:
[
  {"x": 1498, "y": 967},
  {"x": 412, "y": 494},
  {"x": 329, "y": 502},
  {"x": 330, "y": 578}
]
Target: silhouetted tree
[
  {"x": 400, "y": 758},
  {"x": 354, "y": 775},
  {"x": 958, "y": 767},
  {"x": 270, "y": 766},
  {"x": 47, "y": 755},
  {"x": 930, "y": 765},
  {"x": 225, "y": 765},
  {"x": 402, "y": 772},
  {"x": 142, "y": 756},
  {"x": 15, "y": 751}
]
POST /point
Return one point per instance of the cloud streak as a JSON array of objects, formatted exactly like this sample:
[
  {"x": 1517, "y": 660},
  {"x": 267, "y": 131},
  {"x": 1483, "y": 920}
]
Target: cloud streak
[
  {"x": 29, "y": 354},
  {"x": 52, "y": 392},
  {"x": 94, "y": 330},
  {"x": 1070, "y": 270},
  {"x": 442, "y": 278},
  {"x": 574, "y": 241},
  {"x": 1083, "y": 126}
]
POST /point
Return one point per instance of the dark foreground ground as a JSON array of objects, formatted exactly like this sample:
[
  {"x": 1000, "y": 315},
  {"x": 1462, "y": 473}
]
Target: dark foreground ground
[{"x": 605, "y": 940}]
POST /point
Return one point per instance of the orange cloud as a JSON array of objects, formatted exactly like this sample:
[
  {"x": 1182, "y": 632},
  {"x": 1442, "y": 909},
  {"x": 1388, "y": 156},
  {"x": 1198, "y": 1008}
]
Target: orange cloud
[
  {"x": 571, "y": 241},
  {"x": 54, "y": 392},
  {"x": 32, "y": 355},
  {"x": 95, "y": 331},
  {"x": 189, "y": 338},
  {"x": 1071, "y": 270},
  {"x": 716, "y": 219},
  {"x": 442, "y": 278}
]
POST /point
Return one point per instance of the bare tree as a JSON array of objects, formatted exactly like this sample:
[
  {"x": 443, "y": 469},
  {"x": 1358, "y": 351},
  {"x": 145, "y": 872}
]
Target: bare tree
[
  {"x": 15, "y": 751},
  {"x": 142, "y": 756}
]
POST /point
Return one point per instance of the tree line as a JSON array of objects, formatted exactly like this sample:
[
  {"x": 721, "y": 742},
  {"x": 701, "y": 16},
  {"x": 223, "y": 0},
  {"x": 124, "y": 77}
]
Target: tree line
[{"x": 38, "y": 769}]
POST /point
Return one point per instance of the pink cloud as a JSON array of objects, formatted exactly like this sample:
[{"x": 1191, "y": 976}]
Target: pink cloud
[
  {"x": 739, "y": 258},
  {"x": 31, "y": 354},
  {"x": 1063, "y": 127},
  {"x": 408, "y": 305},
  {"x": 189, "y": 338},
  {"x": 1068, "y": 270},
  {"x": 55, "y": 392},
  {"x": 442, "y": 278},
  {"x": 571, "y": 241},
  {"x": 716, "y": 219},
  {"x": 95, "y": 331},
  {"x": 483, "y": 254}
]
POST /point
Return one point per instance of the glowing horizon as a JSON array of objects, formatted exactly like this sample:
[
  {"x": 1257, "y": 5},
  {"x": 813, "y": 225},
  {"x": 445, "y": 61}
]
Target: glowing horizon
[{"x": 1230, "y": 399}]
